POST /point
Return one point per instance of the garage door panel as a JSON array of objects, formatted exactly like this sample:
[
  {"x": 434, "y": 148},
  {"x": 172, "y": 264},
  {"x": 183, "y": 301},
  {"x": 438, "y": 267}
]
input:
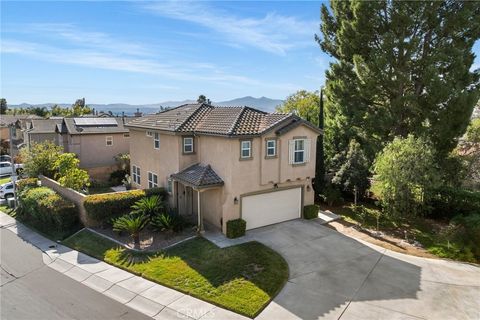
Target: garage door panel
[{"x": 273, "y": 207}]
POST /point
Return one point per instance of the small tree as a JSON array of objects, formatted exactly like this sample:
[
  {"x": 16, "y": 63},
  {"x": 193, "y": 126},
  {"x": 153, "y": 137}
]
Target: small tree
[
  {"x": 405, "y": 175},
  {"x": 69, "y": 174},
  {"x": 353, "y": 172},
  {"x": 3, "y": 106},
  {"x": 123, "y": 161},
  {"x": 133, "y": 224},
  {"x": 40, "y": 159}
]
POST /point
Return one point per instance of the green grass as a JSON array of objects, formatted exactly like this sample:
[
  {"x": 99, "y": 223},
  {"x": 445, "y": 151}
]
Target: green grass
[
  {"x": 432, "y": 235},
  {"x": 4, "y": 180},
  {"x": 242, "y": 278}
]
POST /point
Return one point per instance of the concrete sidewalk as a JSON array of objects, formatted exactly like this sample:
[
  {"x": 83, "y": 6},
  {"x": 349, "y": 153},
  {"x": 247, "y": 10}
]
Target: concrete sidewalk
[{"x": 147, "y": 297}]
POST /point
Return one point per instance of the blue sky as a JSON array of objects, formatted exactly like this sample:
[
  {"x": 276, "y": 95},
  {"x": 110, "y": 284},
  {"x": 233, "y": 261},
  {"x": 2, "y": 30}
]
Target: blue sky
[{"x": 147, "y": 52}]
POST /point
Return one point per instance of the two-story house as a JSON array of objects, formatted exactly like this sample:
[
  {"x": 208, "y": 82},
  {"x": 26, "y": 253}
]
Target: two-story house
[{"x": 224, "y": 163}]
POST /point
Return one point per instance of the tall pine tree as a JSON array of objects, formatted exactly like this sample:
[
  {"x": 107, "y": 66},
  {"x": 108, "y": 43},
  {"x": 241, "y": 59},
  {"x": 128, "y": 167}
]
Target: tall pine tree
[{"x": 402, "y": 67}]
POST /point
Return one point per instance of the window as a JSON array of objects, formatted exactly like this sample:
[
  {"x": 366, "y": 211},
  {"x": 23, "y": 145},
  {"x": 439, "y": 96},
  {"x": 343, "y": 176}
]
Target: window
[
  {"x": 136, "y": 174},
  {"x": 169, "y": 185},
  {"x": 271, "y": 148},
  {"x": 188, "y": 145},
  {"x": 126, "y": 135},
  {"x": 156, "y": 140},
  {"x": 245, "y": 149},
  {"x": 152, "y": 180},
  {"x": 299, "y": 152},
  {"x": 109, "y": 141},
  {"x": 149, "y": 134}
]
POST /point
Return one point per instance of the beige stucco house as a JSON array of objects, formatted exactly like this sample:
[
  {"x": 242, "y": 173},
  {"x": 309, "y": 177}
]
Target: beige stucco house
[
  {"x": 224, "y": 163},
  {"x": 96, "y": 141}
]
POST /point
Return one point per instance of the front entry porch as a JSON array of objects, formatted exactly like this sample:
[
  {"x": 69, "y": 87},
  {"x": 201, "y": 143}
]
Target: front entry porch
[{"x": 196, "y": 191}]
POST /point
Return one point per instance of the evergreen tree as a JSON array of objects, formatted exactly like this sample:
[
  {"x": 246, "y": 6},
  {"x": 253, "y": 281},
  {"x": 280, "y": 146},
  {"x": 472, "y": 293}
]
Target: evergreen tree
[
  {"x": 401, "y": 68},
  {"x": 3, "y": 106}
]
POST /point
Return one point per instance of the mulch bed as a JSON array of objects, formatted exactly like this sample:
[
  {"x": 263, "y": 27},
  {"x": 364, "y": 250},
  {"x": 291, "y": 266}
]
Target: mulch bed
[{"x": 149, "y": 240}]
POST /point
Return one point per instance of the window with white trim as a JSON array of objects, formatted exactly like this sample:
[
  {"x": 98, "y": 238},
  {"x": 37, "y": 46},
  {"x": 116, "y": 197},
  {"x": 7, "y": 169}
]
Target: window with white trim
[
  {"x": 169, "y": 185},
  {"x": 187, "y": 145},
  {"x": 136, "y": 174},
  {"x": 109, "y": 141},
  {"x": 271, "y": 148},
  {"x": 152, "y": 180},
  {"x": 245, "y": 149},
  {"x": 299, "y": 151},
  {"x": 156, "y": 140},
  {"x": 149, "y": 134}
]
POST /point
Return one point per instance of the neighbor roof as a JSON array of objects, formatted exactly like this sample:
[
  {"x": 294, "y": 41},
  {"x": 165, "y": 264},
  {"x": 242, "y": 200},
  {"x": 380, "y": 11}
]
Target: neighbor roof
[
  {"x": 44, "y": 125},
  {"x": 70, "y": 126},
  {"x": 7, "y": 119},
  {"x": 207, "y": 119},
  {"x": 198, "y": 175}
]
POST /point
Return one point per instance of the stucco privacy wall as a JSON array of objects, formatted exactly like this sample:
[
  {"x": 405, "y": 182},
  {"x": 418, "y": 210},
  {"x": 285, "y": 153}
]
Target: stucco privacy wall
[{"x": 70, "y": 194}]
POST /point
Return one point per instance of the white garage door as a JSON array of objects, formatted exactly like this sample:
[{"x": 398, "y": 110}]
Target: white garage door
[{"x": 273, "y": 207}]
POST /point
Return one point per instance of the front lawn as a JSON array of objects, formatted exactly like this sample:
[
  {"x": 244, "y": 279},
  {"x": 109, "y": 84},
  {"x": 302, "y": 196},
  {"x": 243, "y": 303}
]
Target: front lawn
[
  {"x": 432, "y": 235},
  {"x": 242, "y": 278},
  {"x": 5, "y": 180}
]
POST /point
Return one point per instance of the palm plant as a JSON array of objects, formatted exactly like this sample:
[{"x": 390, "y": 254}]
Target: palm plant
[
  {"x": 148, "y": 206},
  {"x": 168, "y": 223},
  {"x": 133, "y": 224}
]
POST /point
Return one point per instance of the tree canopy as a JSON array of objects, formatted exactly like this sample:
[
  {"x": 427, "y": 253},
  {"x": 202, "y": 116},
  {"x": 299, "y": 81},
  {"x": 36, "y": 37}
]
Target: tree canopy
[
  {"x": 3, "y": 106},
  {"x": 402, "y": 67},
  {"x": 303, "y": 103}
]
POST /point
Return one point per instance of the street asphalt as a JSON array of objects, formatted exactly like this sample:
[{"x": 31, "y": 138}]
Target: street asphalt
[{"x": 31, "y": 290}]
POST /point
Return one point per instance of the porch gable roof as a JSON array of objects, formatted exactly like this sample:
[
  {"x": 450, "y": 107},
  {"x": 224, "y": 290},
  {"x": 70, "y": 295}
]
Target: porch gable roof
[{"x": 198, "y": 176}]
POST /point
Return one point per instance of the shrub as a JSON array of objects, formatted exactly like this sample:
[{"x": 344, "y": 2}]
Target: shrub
[
  {"x": 331, "y": 195},
  {"x": 466, "y": 232},
  {"x": 47, "y": 211},
  {"x": 29, "y": 182},
  {"x": 236, "y": 228},
  {"x": 104, "y": 207},
  {"x": 168, "y": 222},
  {"x": 448, "y": 202},
  {"x": 148, "y": 206},
  {"x": 310, "y": 211},
  {"x": 117, "y": 176}
]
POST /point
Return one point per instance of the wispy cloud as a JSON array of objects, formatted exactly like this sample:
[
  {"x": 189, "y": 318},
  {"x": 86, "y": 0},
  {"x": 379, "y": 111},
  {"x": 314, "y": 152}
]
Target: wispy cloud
[{"x": 272, "y": 33}]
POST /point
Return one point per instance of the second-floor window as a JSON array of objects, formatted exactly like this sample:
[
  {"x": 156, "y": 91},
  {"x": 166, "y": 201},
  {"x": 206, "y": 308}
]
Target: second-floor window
[
  {"x": 136, "y": 174},
  {"x": 109, "y": 141},
  {"x": 152, "y": 180},
  {"x": 188, "y": 145},
  {"x": 245, "y": 149},
  {"x": 149, "y": 133},
  {"x": 271, "y": 148},
  {"x": 156, "y": 140},
  {"x": 299, "y": 151}
]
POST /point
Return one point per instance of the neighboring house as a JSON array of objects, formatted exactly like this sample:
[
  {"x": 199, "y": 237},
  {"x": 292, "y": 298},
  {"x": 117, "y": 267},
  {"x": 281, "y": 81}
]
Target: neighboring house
[
  {"x": 20, "y": 122},
  {"x": 96, "y": 141},
  {"x": 41, "y": 130},
  {"x": 224, "y": 163}
]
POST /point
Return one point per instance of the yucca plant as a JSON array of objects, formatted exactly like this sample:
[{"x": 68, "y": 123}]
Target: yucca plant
[
  {"x": 133, "y": 224},
  {"x": 148, "y": 206}
]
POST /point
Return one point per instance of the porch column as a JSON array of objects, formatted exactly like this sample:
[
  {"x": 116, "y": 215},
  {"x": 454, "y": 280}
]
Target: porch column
[{"x": 200, "y": 217}]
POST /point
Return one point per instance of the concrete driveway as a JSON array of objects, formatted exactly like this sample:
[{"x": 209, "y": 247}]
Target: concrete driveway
[{"x": 333, "y": 276}]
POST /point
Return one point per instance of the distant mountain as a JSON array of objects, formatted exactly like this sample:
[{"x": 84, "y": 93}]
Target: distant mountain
[{"x": 262, "y": 103}]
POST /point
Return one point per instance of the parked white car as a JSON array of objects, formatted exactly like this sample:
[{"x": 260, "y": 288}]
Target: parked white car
[
  {"x": 6, "y": 190},
  {"x": 6, "y": 158},
  {"x": 6, "y": 168}
]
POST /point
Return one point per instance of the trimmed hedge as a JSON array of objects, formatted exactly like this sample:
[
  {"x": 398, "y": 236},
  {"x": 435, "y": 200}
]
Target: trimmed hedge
[
  {"x": 47, "y": 211},
  {"x": 236, "y": 228},
  {"x": 310, "y": 211},
  {"x": 29, "y": 182},
  {"x": 449, "y": 202},
  {"x": 104, "y": 207}
]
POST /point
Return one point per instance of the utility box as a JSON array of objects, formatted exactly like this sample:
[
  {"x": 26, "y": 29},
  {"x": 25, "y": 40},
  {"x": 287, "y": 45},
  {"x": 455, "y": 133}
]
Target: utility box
[{"x": 11, "y": 203}]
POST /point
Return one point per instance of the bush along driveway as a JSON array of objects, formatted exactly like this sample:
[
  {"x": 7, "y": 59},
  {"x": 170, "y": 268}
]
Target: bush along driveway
[{"x": 242, "y": 278}]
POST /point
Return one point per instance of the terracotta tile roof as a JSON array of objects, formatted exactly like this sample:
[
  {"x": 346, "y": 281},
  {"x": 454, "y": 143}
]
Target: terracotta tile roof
[
  {"x": 198, "y": 175},
  {"x": 207, "y": 119}
]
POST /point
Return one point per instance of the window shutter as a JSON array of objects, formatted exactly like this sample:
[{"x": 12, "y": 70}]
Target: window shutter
[
  {"x": 291, "y": 149},
  {"x": 307, "y": 149}
]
